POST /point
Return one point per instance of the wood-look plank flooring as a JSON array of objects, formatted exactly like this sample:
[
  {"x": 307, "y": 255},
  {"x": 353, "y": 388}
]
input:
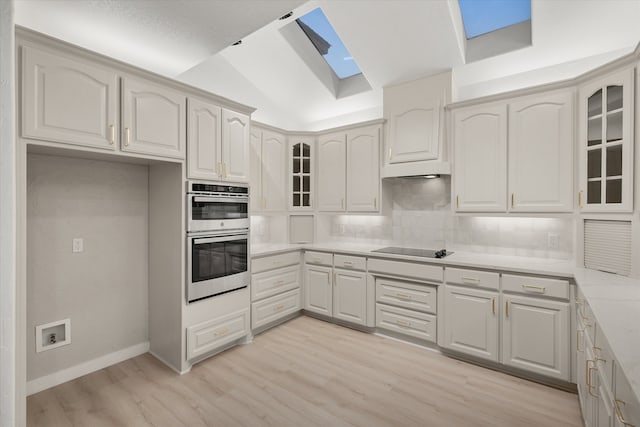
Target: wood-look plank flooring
[{"x": 305, "y": 373}]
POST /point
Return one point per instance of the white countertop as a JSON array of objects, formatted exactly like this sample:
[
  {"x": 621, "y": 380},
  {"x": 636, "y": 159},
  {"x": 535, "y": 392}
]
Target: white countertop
[{"x": 614, "y": 300}]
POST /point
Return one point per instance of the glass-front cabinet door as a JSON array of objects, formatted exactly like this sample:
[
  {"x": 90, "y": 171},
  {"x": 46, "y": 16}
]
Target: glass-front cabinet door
[
  {"x": 606, "y": 144},
  {"x": 301, "y": 172}
]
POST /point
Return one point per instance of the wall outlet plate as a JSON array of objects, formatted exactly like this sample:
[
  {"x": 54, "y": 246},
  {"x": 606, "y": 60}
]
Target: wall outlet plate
[
  {"x": 77, "y": 244},
  {"x": 553, "y": 240},
  {"x": 53, "y": 335}
]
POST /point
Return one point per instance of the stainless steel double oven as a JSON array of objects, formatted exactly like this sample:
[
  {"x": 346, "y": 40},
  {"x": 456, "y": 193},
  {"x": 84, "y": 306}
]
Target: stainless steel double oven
[{"x": 217, "y": 239}]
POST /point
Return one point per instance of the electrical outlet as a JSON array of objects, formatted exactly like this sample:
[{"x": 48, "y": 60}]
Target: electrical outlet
[
  {"x": 78, "y": 245},
  {"x": 553, "y": 240}
]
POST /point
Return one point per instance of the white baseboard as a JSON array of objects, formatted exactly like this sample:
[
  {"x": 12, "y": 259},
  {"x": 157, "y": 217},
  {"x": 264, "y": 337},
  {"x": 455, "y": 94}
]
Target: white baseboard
[
  {"x": 169, "y": 365},
  {"x": 52, "y": 380}
]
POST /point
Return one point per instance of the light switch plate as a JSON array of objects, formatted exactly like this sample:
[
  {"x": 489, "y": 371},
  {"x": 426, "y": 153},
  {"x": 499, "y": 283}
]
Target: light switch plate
[{"x": 78, "y": 245}]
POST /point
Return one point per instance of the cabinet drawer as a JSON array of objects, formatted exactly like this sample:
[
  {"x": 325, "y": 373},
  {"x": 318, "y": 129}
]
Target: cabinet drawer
[
  {"x": 535, "y": 286},
  {"x": 350, "y": 262},
  {"x": 408, "y": 295},
  {"x": 274, "y": 308},
  {"x": 426, "y": 272},
  {"x": 213, "y": 334},
  {"x": 319, "y": 258},
  {"x": 474, "y": 278},
  {"x": 407, "y": 322},
  {"x": 625, "y": 401},
  {"x": 274, "y": 261},
  {"x": 273, "y": 282}
]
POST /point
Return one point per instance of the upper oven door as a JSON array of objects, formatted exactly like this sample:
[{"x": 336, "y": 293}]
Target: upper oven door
[{"x": 209, "y": 213}]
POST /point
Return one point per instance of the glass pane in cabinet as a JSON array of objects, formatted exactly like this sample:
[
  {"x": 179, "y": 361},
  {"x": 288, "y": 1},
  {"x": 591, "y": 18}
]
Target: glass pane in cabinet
[
  {"x": 594, "y": 131},
  {"x": 306, "y": 183},
  {"x": 614, "y": 126},
  {"x": 306, "y": 150},
  {"x": 594, "y": 191},
  {"x": 614, "y": 98},
  {"x": 595, "y": 104},
  {"x": 306, "y": 200},
  {"x": 614, "y": 161},
  {"x": 306, "y": 166},
  {"x": 296, "y": 150},
  {"x": 614, "y": 191},
  {"x": 296, "y": 183},
  {"x": 296, "y": 165},
  {"x": 296, "y": 200},
  {"x": 594, "y": 163}
]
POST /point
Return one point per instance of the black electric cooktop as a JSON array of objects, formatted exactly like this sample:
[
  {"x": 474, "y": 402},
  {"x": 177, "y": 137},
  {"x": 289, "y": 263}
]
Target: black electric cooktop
[{"x": 426, "y": 253}]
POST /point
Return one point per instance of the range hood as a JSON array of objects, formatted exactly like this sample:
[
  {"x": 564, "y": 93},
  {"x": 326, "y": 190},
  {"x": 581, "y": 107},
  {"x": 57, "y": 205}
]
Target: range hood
[{"x": 417, "y": 169}]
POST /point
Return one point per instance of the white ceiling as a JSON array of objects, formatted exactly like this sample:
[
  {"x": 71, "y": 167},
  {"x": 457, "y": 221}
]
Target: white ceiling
[{"x": 391, "y": 40}]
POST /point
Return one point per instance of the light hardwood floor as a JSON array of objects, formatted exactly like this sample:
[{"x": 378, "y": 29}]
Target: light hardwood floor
[{"x": 305, "y": 373}]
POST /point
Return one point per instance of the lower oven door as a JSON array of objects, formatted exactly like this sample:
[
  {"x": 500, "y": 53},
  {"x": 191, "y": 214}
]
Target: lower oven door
[{"x": 216, "y": 263}]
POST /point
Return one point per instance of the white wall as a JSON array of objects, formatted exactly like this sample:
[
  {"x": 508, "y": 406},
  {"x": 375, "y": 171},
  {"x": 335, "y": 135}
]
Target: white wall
[
  {"x": 11, "y": 402},
  {"x": 103, "y": 290}
]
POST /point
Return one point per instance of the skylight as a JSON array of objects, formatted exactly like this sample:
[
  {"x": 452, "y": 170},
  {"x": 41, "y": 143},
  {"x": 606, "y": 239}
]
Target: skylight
[
  {"x": 325, "y": 39},
  {"x": 484, "y": 16}
]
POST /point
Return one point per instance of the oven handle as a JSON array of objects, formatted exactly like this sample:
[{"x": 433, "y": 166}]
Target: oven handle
[
  {"x": 225, "y": 238},
  {"x": 205, "y": 199}
]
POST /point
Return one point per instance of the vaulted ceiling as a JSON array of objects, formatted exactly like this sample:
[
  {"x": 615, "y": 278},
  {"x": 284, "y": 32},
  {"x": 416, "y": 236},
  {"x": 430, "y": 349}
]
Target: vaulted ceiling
[{"x": 391, "y": 40}]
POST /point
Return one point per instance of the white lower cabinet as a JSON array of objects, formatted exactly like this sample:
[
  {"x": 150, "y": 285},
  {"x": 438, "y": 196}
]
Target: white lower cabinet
[
  {"x": 318, "y": 295},
  {"x": 535, "y": 335},
  {"x": 406, "y": 322},
  {"x": 471, "y": 321},
  {"x": 205, "y": 337},
  {"x": 350, "y": 296},
  {"x": 275, "y": 288}
]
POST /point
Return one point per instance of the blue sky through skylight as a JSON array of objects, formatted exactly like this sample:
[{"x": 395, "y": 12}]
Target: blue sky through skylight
[
  {"x": 484, "y": 16},
  {"x": 338, "y": 57}
]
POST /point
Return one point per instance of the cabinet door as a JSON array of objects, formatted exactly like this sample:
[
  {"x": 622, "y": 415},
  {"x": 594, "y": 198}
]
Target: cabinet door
[
  {"x": 471, "y": 322},
  {"x": 350, "y": 296},
  {"x": 274, "y": 171},
  {"x": 535, "y": 336},
  {"x": 541, "y": 153},
  {"x": 153, "y": 119},
  {"x": 414, "y": 134},
  {"x": 332, "y": 172},
  {"x": 235, "y": 146},
  {"x": 68, "y": 101},
  {"x": 255, "y": 169},
  {"x": 605, "y": 409},
  {"x": 301, "y": 171},
  {"x": 606, "y": 144},
  {"x": 480, "y": 159},
  {"x": 363, "y": 169},
  {"x": 318, "y": 289},
  {"x": 204, "y": 140}
]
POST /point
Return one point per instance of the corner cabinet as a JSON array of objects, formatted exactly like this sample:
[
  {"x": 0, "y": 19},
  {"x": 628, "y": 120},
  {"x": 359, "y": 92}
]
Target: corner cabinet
[
  {"x": 153, "y": 119},
  {"x": 606, "y": 143},
  {"x": 68, "y": 100},
  {"x": 480, "y": 158},
  {"x": 301, "y": 172}
]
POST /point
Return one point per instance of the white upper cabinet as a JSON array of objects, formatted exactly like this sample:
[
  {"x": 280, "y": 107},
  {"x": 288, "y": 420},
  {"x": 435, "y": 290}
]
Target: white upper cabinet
[
  {"x": 480, "y": 159},
  {"x": 606, "y": 143},
  {"x": 274, "y": 171},
  {"x": 541, "y": 153},
  {"x": 363, "y": 169},
  {"x": 204, "y": 140},
  {"x": 235, "y": 146},
  {"x": 68, "y": 101},
  {"x": 332, "y": 169},
  {"x": 255, "y": 168},
  {"x": 301, "y": 172},
  {"x": 414, "y": 113},
  {"x": 153, "y": 119}
]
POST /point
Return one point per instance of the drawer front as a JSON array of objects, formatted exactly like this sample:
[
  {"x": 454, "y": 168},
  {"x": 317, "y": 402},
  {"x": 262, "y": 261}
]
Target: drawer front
[
  {"x": 350, "y": 262},
  {"x": 407, "y": 322},
  {"x": 627, "y": 406},
  {"x": 318, "y": 258},
  {"x": 537, "y": 286},
  {"x": 274, "y": 261},
  {"x": 408, "y": 295},
  {"x": 274, "y": 308},
  {"x": 426, "y": 272},
  {"x": 213, "y": 334},
  {"x": 273, "y": 282},
  {"x": 473, "y": 278}
]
